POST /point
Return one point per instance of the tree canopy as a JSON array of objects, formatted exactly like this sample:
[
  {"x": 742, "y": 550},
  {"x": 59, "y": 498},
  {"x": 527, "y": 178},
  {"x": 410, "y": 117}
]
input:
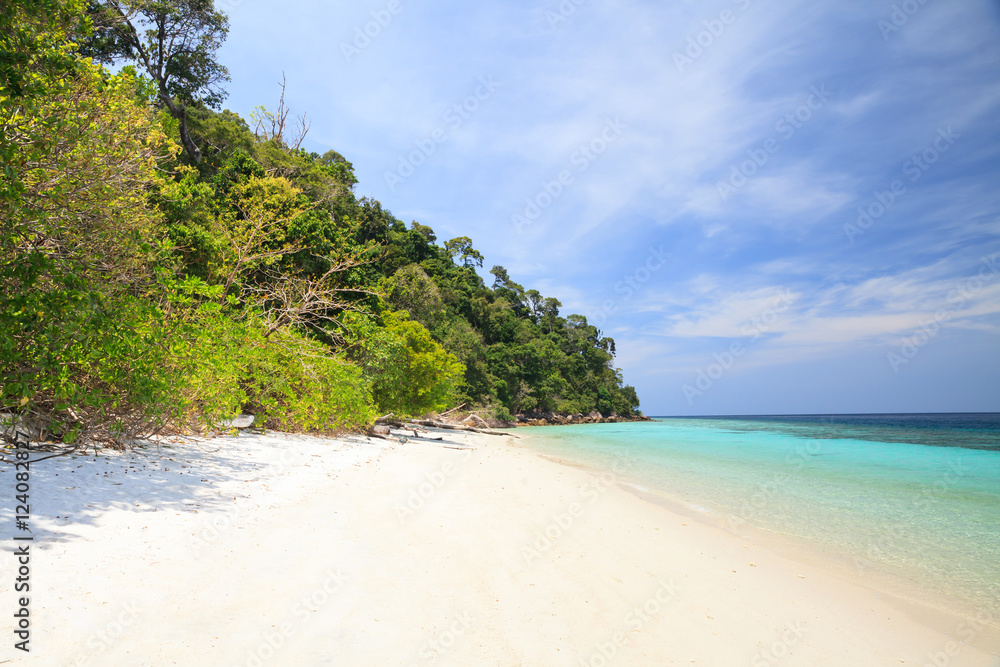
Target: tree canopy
[{"x": 174, "y": 42}]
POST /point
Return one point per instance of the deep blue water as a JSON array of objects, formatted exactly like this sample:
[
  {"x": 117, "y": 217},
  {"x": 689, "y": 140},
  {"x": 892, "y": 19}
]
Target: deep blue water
[{"x": 915, "y": 495}]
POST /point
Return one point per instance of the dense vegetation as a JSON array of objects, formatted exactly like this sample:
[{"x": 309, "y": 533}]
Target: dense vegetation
[{"x": 165, "y": 263}]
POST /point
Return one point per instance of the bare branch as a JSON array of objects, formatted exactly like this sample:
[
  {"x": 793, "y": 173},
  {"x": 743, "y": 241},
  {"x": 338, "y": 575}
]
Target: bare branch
[
  {"x": 271, "y": 125},
  {"x": 303, "y": 300}
]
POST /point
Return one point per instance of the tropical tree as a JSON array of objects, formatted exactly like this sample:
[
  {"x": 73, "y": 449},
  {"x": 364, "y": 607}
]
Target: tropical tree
[
  {"x": 462, "y": 248},
  {"x": 174, "y": 42}
]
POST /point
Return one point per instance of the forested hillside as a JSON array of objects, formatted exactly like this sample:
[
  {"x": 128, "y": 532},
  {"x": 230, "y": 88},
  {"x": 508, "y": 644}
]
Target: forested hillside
[{"x": 165, "y": 263}]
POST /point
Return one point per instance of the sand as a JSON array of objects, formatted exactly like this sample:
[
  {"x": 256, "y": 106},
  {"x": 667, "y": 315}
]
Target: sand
[{"x": 474, "y": 550}]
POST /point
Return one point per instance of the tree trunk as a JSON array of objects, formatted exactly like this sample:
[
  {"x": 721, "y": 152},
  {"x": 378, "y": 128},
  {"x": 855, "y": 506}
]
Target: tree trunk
[
  {"x": 189, "y": 145},
  {"x": 179, "y": 111}
]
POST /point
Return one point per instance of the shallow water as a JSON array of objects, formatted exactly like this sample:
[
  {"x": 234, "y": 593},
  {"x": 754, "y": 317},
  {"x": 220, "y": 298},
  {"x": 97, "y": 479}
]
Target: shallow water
[{"x": 915, "y": 495}]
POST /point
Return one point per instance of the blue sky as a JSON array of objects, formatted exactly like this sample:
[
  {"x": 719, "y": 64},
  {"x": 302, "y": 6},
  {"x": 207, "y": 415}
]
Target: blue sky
[{"x": 773, "y": 207}]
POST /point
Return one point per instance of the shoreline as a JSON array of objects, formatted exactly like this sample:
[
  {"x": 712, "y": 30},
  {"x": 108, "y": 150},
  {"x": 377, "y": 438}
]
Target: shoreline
[
  {"x": 277, "y": 549},
  {"x": 940, "y": 611}
]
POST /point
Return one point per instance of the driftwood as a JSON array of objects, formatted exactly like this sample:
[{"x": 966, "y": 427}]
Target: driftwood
[
  {"x": 443, "y": 414},
  {"x": 388, "y": 420},
  {"x": 455, "y": 427},
  {"x": 396, "y": 439}
]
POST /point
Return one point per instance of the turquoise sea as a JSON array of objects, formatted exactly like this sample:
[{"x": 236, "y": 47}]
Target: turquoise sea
[{"x": 916, "y": 496}]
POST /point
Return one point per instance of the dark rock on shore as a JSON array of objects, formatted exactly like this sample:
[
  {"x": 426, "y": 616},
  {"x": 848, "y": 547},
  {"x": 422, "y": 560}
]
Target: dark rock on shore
[{"x": 556, "y": 419}]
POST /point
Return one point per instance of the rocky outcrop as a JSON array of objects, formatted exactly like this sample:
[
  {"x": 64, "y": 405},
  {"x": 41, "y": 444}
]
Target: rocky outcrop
[
  {"x": 556, "y": 419},
  {"x": 474, "y": 421}
]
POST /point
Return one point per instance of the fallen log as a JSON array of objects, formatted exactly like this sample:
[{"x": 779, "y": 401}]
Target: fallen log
[
  {"x": 411, "y": 427},
  {"x": 455, "y": 427},
  {"x": 439, "y": 439}
]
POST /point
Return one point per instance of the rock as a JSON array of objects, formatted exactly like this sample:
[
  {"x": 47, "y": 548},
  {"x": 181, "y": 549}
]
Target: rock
[
  {"x": 243, "y": 421},
  {"x": 594, "y": 416},
  {"x": 10, "y": 426},
  {"x": 476, "y": 421},
  {"x": 18, "y": 428}
]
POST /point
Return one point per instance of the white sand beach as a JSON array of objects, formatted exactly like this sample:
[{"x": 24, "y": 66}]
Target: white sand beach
[{"x": 474, "y": 550}]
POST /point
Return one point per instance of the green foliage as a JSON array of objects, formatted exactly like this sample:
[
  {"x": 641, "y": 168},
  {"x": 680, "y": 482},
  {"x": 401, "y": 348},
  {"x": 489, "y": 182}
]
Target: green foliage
[
  {"x": 288, "y": 381},
  {"x": 81, "y": 364},
  {"x": 412, "y": 290},
  {"x": 338, "y": 167},
  {"x": 76, "y": 255},
  {"x": 186, "y": 204},
  {"x": 461, "y": 247},
  {"x": 218, "y": 136},
  {"x": 174, "y": 41},
  {"x": 35, "y": 46},
  {"x": 460, "y": 339},
  {"x": 99, "y": 337},
  {"x": 141, "y": 289},
  {"x": 410, "y": 373}
]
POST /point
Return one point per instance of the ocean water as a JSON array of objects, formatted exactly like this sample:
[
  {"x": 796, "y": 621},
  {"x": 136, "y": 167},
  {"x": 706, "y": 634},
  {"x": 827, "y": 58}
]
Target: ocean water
[{"x": 916, "y": 496}]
